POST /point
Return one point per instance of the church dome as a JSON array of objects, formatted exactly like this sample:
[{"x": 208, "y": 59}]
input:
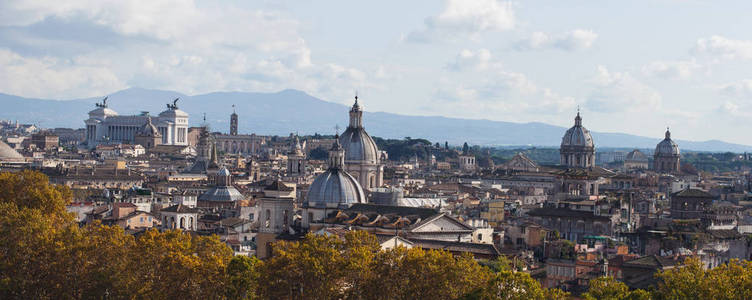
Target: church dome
[
  {"x": 9, "y": 154},
  {"x": 358, "y": 145},
  {"x": 223, "y": 190},
  {"x": 578, "y": 135},
  {"x": 335, "y": 187},
  {"x": 667, "y": 146},
  {"x": 295, "y": 148},
  {"x": 636, "y": 155},
  {"x": 149, "y": 129}
]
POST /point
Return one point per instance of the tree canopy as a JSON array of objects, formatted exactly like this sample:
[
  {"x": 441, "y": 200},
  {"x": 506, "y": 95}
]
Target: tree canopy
[{"x": 44, "y": 254}]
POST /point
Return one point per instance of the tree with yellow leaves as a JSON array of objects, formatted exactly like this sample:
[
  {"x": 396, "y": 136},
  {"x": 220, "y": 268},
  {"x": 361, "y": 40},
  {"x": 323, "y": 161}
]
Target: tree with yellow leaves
[
  {"x": 608, "y": 288},
  {"x": 691, "y": 281},
  {"x": 45, "y": 255}
]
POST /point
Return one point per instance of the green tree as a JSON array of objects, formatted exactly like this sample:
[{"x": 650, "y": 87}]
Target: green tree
[
  {"x": 508, "y": 284},
  {"x": 243, "y": 277},
  {"x": 30, "y": 189},
  {"x": 307, "y": 269},
  {"x": 606, "y": 288},
  {"x": 691, "y": 281}
]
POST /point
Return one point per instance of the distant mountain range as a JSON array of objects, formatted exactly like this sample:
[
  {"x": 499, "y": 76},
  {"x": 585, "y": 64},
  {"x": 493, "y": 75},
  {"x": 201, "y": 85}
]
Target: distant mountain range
[{"x": 294, "y": 111}]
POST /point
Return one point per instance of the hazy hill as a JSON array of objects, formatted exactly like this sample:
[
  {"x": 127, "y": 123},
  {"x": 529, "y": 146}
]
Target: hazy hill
[{"x": 295, "y": 111}]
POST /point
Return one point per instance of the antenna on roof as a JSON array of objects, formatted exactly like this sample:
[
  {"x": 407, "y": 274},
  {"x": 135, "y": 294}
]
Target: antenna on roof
[{"x": 336, "y": 129}]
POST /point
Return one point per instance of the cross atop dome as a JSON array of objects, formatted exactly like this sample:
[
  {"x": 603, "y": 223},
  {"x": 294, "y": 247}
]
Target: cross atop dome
[{"x": 356, "y": 106}]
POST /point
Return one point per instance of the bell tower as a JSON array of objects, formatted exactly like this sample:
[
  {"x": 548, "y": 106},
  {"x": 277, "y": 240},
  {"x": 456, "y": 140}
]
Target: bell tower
[{"x": 233, "y": 122}]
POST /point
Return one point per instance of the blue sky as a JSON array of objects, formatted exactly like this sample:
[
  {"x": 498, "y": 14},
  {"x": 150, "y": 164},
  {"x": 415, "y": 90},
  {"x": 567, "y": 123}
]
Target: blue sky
[{"x": 632, "y": 66}]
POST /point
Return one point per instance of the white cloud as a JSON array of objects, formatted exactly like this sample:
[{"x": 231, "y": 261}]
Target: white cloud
[
  {"x": 725, "y": 47},
  {"x": 466, "y": 19},
  {"x": 171, "y": 44},
  {"x": 578, "y": 39},
  {"x": 55, "y": 78},
  {"x": 471, "y": 60},
  {"x": 739, "y": 90},
  {"x": 681, "y": 69},
  {"x": 495, "y": 90},
  {"x": 620, "y": 92}
]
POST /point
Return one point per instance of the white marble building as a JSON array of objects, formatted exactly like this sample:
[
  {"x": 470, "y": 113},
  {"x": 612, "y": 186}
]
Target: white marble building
[{"x": 105, "y": 126}]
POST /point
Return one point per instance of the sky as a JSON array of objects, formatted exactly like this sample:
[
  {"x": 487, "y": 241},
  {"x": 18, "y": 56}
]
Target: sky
[{"x": 630, "y": 66}]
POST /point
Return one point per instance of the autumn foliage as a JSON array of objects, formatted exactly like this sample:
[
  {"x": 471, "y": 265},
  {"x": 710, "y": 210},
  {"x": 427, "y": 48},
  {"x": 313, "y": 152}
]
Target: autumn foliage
[{"x": 44, "y": 254}]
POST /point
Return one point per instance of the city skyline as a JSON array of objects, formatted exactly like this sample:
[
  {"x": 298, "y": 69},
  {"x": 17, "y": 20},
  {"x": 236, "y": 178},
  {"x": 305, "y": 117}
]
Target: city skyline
[{"x": 664, "y": 63}]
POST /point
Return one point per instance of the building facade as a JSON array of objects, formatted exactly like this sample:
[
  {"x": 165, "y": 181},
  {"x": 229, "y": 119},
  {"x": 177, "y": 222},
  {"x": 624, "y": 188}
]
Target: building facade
[
  {"x": 690, "y": 204},
  {"x": 277, "y": 209},
  {"x": 296, "y": 159},
  {"x": 105, "y": 126}
]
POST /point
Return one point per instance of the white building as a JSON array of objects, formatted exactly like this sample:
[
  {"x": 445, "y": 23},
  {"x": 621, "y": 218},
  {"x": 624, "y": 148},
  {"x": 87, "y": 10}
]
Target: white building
[
  {"x": 105, "y": 126},
  {"x": 180, "y": 217}
]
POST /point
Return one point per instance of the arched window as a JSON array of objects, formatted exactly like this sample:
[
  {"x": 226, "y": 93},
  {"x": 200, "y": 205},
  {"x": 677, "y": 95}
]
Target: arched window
[
  {"x": 172, "y": 222},
  {"x": 284, "y": 221},
  {"x": 182, "y": 222},
  {"x": 190, "y": 223},
  {"x": 268, "y": 221}
]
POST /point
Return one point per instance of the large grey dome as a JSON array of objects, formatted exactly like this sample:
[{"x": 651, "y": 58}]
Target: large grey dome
[
  {"x": 578, "y": 135},
  {"x": 358, "y": 145},
  {"x": 667, "y": 146},
  {"x": 335, "y": 187},
  {"x": 9, "y": 154}
]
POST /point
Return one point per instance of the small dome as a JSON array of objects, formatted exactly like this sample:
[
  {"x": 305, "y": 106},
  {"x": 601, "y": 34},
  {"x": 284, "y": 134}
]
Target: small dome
[
  {"x": 9, "y": 154},
  {"x": 636, "y": 155},
  {"x": 577, "y": 136},
  {"x": 222, "y": 193},
  {"x": 223, "y": 190},
  {"x": 295, "y": 147},
  {"x": 667, "y": 146},
  {"x": 335, "y": 187},
  {"x": 149, "y": 129},
  {"x": 224, "y": 172}
]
